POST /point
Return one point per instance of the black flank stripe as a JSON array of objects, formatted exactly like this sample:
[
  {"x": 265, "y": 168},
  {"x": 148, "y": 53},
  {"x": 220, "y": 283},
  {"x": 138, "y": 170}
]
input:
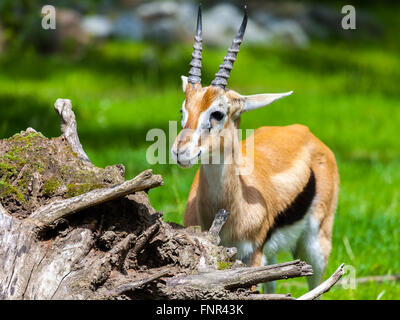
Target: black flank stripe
[{"x": 297, "y": 209}]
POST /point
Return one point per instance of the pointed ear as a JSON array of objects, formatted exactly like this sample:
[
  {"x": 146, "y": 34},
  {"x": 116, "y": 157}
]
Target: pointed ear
[
  {"x": 261, "y": 100},
  {"x": 184, "y": 83}
]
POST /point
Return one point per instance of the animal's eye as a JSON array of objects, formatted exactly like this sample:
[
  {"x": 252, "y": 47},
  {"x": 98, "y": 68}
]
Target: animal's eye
[{"x": 217, "y": 115}]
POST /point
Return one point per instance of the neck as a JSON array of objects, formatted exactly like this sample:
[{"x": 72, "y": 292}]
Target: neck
[
  {"x": 220, "y": 184},
  {"x": 218, "y": 176},
  {"x": 226, "y": 169}
]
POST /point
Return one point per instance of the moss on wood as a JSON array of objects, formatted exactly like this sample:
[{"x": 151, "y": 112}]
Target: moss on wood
[
  {"x": 34, "y": 168},
  {"x": 223, "y": 265}
]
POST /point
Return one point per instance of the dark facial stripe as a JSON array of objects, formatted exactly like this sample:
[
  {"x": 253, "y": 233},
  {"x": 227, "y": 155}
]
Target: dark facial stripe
[{"x": 297, "y": 209}]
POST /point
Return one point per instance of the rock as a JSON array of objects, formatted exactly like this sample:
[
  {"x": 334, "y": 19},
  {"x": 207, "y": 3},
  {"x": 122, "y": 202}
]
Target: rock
[
  {"x": 164, "y": 30},
  {"x": 222, "y": 22},
  {"x": 220, "y": 25},
  {"x": 97, "y": 25},
  {"x": 273, "y": 23},
  {"x": 128, "y": 26},
  {"x": 156, "y": 10},
  {"x": 167, "y": 21},
  {"x": 289, "y": 32},
  {"x": 186, "y": 17}
]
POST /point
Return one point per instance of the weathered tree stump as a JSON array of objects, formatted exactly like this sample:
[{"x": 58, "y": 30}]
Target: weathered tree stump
[{"x": 70, "y": 230}]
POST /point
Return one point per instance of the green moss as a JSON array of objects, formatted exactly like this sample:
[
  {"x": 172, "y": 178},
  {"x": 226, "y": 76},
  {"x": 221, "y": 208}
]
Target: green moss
[
  {"x": 22, "y": 153},
  {"x": 24, "y": 181},
  {"x": 26, "y": 139},
  {"x": 59, "y": 168},
  {"x": 51, "y": 185},
  {"x": 71, "y": 151},
  {"x": 224, "y": 265},
  {"x": 7, "y": 170},
  {"x": 13, "y": 156},
  {"x": 7, "y": 189},
  {"x": 76, "y": 189}
]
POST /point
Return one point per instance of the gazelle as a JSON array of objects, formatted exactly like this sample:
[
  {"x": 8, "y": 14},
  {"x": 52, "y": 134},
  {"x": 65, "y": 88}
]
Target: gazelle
[{"x": 286, "y": 202}]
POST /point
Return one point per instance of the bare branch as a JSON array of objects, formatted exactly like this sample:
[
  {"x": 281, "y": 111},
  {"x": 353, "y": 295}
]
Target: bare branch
[
  {"x": 116, "y": 257},
  {"x": 46, "y": 215},
  {"x": 144, "y": 238},
  {"x": 324, "y": 286},
  {"x": 271, "y": 297},
  {"x": 68, "y": 126},
  {"x": 245, "y": 277},
  {"x": 119, "y": 252},
  {"x": 136, "y": 284},
  {"x": 219, "y": 221}
]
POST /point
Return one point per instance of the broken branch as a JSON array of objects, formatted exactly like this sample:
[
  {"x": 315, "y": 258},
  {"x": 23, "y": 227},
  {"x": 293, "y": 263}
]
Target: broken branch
[
  {"x": 136, "y": 284},
  {"x": 119, "y": 252},
  {"x": 324, "y": 286},
  {"x": 246, "y": 276},
  {"x": 219, "y": 221},
  {"x": 144, "y": 238},
  {"x": 271, "y": 296},
  {"x": 47, "y": 215},
  {"x": 68, "y": 126}
]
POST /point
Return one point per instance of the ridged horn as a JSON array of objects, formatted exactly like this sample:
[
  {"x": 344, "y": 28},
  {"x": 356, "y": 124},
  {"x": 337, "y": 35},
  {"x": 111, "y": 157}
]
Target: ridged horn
[
  {"x": 195, "y": 64},
  {"x": 221, "y": 78}
]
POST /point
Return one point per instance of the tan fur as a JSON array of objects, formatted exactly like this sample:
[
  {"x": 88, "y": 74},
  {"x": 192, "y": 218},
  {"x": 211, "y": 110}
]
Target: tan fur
[{"x": 198, "y": 99}]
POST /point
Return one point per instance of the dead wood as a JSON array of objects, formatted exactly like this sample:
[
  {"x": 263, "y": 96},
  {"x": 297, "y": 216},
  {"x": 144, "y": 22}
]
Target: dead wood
[
  {"x": 244, "y": 277},
  {"x": 117, "y": 247},
  {"x": 144, "y": 238},
  {"x": 63, "y": 108},
  {"x": 139, "y": 283},
  {"x": 324, "y": 286},
  {"x": 271, "y": 296},
  {"x": 47, "y": 215},
  {"x": 219, "y": 221}
]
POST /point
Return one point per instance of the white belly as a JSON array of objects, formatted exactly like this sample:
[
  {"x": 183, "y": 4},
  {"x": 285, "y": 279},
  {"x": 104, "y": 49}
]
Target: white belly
[
  {"x": 285, "y": 238},
  {"x": 282, "y": 239}
]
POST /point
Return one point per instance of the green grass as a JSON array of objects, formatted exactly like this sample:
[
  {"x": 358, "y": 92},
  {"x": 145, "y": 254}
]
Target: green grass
[{"x": 347, "y": 93}]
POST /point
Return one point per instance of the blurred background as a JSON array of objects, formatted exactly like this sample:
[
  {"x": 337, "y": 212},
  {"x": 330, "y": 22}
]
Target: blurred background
[{"x": 120, "y": 63}]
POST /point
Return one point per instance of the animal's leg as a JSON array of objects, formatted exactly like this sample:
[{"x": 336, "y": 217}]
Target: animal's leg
[
  {"x": 245, "y": 251},
  {"x": 257, "y": 257},
  {"x": 308, "y": 249},
  {"x": 256, "y": 261},
  {"x": 269, "y": 287}
]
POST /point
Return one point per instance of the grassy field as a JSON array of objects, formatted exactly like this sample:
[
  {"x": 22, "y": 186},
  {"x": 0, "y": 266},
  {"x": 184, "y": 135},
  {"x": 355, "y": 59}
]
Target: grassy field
[{"x": 347, "y": 93}]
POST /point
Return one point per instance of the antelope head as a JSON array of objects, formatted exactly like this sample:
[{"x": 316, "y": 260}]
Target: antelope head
[{"x": 208, "y": 113}]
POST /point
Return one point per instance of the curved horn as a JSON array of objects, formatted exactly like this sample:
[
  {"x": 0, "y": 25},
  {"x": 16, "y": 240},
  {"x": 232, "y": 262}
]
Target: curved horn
[
  {"x": 195, "y": 64},
  {"x": 225, "y": 68}
]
